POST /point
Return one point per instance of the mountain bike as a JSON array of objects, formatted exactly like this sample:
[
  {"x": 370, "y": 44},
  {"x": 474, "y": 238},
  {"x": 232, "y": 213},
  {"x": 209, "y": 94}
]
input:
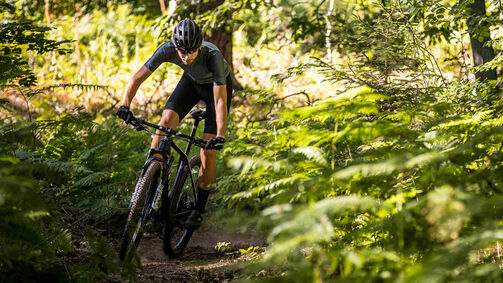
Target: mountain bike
[{"x": 175, "y": 204}]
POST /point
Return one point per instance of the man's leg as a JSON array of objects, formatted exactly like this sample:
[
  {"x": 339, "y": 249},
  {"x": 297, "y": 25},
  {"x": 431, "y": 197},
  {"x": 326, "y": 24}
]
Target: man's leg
[
  {"x": 206, "y": 178},
  {"x": 208, "y": 166},
  {"x": 207, "y": 172},
  {"x": 179, "y": 103},
  {"x": 169, "y": 119}
]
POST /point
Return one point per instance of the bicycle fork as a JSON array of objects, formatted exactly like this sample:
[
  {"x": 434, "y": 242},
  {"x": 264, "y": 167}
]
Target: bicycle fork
[{"x": 163, "y": 179}]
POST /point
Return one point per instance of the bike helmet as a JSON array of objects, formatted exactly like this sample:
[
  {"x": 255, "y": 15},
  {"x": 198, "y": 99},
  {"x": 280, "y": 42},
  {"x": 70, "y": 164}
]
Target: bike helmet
[{"x": 187, "y": 35}]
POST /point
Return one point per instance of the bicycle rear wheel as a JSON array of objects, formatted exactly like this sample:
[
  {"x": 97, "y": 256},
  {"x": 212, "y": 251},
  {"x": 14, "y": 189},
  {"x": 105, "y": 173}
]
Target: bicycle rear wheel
[
  {"x": 137, "y": 218},
  {"x": 181, "y": 203}
]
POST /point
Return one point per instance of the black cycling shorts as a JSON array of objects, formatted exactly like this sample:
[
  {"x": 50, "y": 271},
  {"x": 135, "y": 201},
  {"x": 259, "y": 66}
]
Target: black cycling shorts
[{"x": 188, "y": 93}]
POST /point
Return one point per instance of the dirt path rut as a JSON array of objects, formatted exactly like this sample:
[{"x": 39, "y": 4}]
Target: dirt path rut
[{"x": 200, "y": 262}]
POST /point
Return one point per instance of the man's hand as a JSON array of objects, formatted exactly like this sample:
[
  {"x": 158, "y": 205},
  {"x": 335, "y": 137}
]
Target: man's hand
[
  {"x": 215, "y": 143},
  {"x": 125, "y": 114}
]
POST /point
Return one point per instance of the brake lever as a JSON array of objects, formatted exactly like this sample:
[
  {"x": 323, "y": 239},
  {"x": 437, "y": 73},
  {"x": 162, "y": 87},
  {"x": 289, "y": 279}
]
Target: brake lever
[
  {"x": 199, "y": 142},
  {"x": 139, "y": 127},
  {"x": 137, "y": 124}
]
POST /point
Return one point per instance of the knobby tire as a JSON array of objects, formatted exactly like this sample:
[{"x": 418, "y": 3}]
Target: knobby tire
[{"x": 136, "y": 221}]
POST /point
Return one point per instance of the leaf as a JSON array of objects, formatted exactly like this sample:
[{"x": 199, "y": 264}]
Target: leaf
[
  {"x": 84, "y": 156},
  {"x": 312, "y": 153},
  {"x": 312, "y": 224},
  {"x": 398, "y": 163},
  {"x": 91, "y": 179},
  {"x": 24, "y": 155}
]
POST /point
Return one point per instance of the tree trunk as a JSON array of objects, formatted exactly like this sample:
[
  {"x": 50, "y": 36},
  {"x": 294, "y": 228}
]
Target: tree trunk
[
  {"x": 221, "y": 35},
  {"x": 328, "y": 43},
  {"x": 76, "y": 38},
  {"x": 480, "y": 51},
  {"x": 163, "y": 7},
  {"x": 47, "y": 13}
]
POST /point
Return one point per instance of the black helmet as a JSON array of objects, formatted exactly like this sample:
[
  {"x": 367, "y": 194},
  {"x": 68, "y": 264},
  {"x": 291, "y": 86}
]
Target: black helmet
[{"x": 187, "y": 35}]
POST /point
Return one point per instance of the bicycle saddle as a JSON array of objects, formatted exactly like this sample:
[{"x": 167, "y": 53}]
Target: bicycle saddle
[{"x": 198, "y": 114}]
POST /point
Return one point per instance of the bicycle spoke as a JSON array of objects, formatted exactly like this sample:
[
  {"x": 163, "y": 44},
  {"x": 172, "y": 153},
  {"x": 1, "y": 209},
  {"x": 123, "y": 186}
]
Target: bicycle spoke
[{"x": 182, "y": 201}]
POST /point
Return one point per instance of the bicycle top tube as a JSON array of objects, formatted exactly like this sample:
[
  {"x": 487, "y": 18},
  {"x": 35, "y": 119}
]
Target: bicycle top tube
[{"x": 140, "y": 125}]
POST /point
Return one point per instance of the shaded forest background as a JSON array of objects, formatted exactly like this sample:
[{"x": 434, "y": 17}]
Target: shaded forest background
[{"x": 365, "y": 139}]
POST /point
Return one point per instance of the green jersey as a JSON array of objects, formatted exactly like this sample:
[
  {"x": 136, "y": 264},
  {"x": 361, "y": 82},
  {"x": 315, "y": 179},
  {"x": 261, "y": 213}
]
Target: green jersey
[{"x": 208, "y": 67}]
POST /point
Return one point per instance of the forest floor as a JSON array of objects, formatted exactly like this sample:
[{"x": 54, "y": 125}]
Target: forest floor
[{"x": 201, "y": 261}]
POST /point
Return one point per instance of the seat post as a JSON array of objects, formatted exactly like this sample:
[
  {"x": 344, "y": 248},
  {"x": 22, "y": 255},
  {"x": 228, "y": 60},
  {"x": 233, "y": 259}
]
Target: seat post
[
  {"x": 194, "y": 126},
  {"x": 192, "y": 134}
]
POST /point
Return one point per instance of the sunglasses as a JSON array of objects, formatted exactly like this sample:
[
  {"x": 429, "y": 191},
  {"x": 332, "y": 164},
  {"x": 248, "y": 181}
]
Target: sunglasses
[{"x": 187, "y": 51}]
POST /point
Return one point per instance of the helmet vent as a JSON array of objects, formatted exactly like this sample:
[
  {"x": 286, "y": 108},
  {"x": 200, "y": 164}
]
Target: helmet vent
[{"x": 187, "y": 35}]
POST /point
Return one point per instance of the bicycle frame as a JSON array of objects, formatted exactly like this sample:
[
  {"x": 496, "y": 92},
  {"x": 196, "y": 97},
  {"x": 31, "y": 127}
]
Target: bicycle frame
[{"x": 167, "y": 158}]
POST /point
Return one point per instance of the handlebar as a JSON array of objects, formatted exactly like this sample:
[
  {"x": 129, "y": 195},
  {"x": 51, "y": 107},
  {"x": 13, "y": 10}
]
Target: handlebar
[{"x": 140, "y": 126}]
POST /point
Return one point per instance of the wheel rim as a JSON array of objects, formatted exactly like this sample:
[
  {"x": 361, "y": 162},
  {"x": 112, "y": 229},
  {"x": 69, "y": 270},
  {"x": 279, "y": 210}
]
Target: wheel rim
[
  {"x": 177, "y": 237},
  {"x": 178, "y": 231}
]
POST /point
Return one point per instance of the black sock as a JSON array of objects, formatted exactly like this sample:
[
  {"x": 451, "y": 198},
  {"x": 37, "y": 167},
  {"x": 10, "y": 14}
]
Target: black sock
[{"x": 202, "y": 198}]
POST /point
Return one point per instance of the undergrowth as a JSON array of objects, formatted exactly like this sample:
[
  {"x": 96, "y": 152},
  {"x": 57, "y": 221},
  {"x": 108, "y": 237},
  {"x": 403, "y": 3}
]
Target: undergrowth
[{"x": 395, "y": 179}]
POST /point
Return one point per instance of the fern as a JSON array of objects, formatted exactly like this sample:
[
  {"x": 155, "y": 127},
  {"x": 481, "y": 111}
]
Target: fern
[
  {"x": 87, "y": 154},
  {"x": 91, "y": 179},
  {"x": 430, "y": 174}
]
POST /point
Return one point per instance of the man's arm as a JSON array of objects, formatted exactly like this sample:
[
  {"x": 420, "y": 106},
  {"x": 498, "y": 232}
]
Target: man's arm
[
  {"x": 133, "y": 85},
  {"x": 220, "y": 96}
]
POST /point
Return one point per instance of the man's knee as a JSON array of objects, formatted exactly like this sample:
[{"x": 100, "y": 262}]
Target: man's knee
[{"x": 169, "y": 118}]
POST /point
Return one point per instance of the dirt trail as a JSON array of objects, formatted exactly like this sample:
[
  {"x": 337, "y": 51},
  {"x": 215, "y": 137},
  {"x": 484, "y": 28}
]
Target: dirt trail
[{"x": 200, "y": 261}]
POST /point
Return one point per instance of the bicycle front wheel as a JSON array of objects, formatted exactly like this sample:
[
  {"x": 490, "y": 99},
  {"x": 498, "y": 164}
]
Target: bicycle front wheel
[
  {"x": 181, "y": 203},
  {"x": 137, "y": 218}
]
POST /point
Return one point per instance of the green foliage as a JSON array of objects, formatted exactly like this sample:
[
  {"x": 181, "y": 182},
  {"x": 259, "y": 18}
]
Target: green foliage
[
  {"x": 250, "y": 252},
  {"x": 394, "y": 180},
  {"x": 103, "y": 260},
  {"x": 34, "y": 9},
  {"x": 386, "y": 55},
  {"x": 214, "y": 14},
  {"x": 75, "y": 171},
  {"x": 222, "y": 246},
  {"x": 412, "y": 189},
  {"x": 441, "y": 19},
  {"x": 395, "y": 176},
  {"x": 105, "y": 57},
  {"x": 16, "y": 39},
  {"x": 29, "y": 248},
  {"x": 50, "y": 168}
]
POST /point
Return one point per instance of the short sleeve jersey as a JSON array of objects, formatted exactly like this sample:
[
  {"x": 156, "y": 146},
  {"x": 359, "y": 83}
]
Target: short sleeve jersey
[{"x": 208, "y": 67}]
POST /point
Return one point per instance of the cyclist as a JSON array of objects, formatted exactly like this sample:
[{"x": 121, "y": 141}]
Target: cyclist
[{"x": 206, "y": 77}]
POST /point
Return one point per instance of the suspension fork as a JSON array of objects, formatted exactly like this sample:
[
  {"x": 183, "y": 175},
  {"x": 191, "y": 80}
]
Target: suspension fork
[
  {"x": 166, "y": 161},
  {"x": 163, "y": 182}
]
